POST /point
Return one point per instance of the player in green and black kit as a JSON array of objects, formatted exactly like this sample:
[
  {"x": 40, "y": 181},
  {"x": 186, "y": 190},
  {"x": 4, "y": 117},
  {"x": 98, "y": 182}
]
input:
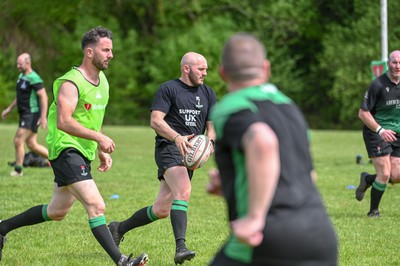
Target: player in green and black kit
[
  {"x": 31, "y": 101},
  {"x": 75, "y": 121},
  {"x": 380, "y": 113},
  {"x": 275, "y": 212}
]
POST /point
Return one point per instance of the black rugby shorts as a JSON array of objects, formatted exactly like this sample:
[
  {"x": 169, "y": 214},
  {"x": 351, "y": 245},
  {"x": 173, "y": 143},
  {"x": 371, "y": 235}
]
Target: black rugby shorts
[
  {"x": 168, "y": 155},
  {"x": 377, "y": 147},
  {"x": 29, "y": 121},
  {"x": 70, "y": 167}
]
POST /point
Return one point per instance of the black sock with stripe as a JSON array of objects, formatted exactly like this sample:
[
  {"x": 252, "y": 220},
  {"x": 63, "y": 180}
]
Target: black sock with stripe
[
  {"x": 179, "y": 222},
  {"x": 103, "y": 236},
  {"x": 34, "y": 215},
  {"x": 141, "y": 217},
  {"x": 377, "y": 191}
]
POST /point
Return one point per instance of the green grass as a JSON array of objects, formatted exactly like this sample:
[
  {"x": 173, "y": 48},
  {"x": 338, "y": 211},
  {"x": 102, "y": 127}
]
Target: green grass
[{"x": 362, "y": 241}]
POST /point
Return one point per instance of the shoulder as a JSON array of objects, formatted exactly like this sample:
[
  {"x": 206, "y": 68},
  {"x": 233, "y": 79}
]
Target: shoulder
[
  {"x": 245, "y": 100},
  {"x": 72, "y": 74},
  {"x": 380, "y": 81},
  {"x": 208, "y": 89},
  {"x": 34, "y": 77},
  {"x": 170, "y": 87}
]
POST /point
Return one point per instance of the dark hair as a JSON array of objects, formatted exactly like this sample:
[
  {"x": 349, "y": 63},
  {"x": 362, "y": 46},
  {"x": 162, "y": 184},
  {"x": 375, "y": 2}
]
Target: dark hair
[{"x": 93, "y": 36}]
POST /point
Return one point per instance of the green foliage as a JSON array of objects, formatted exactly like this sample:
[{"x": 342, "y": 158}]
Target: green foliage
[
  {"x": 348, "y": 51},
  {"x": 320, "y": 50},
  {"x": 8, "y": 82}
]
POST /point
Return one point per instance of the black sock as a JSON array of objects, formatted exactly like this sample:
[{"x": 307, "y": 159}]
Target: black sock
[
  {"x": 377, "y": 191},
  {"x": 141, "y": 217},
  {"x": 370, "y": 179},
  {"x": 179, "y": 222},
  {"x": 34, "y": 215},
  {"x": 103, "y": 236}
]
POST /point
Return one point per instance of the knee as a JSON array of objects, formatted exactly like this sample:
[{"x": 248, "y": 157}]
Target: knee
[
  {"x": 161, "y": 211},
  {"x": 383, "y": 177},
  {"x": 97, "y": 209},
  {"x": 57, "y": 215},
  {"x": 18, "y": 142}
]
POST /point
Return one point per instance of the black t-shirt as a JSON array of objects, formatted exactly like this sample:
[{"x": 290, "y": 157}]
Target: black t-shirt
[
  {"x": 187, "y": 108},
  {"x": 382, "y": 100}
]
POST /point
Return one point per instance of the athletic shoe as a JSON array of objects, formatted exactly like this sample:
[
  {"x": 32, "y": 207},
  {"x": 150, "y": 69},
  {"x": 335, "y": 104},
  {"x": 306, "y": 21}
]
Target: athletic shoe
[
  {"x": 374, "y": 213},
  {"x": 183, "y": 254},
  {"x": 2, "y": 242},
  {"x": 362, "y": 187},
  {"x": 128, "y": 261},
  {"x": 15, "y": 173},
  {"x": 113, "y": 227}
]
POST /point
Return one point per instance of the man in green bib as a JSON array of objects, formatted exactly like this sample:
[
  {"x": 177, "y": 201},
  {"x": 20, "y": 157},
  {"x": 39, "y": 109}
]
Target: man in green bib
[{"x": 74, "y": 135}]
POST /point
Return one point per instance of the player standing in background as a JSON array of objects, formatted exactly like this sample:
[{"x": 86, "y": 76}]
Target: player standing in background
[
  {"x": 265, "y": 173},
  {"x": 32, "y": 105},
  {"x": 179, "y": 111},
  {"x": 75, "y": 120},
  {"x": 380, "y": 113}
]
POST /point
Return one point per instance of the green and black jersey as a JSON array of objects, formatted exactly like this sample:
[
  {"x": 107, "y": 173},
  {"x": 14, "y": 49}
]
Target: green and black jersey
[
  {"x": 89, "y": 112},
  {"x": 382, "y": 100},
  {"x": 233, "y": 115},
  {"x": 295, "y": 191},
  {"x": 27, "y": 99}
]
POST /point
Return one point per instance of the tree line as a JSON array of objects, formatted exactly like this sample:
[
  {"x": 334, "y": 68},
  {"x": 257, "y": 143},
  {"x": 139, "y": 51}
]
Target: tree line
[{"x": 320, "y": 50}]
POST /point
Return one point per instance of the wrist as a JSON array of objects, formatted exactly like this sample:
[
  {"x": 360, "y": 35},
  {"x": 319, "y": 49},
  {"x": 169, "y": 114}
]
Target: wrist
[
  {"x": 174, "y": 139},
  {"x": 380, "y": 130},
  {"x": 212, "y": 142}
]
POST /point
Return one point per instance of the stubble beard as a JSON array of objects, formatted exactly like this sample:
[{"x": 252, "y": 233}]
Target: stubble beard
[
  {"x": 99, "y": 64},
  {"x": 194, "y": 80}
]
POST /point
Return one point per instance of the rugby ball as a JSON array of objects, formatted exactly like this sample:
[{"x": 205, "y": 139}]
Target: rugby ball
[{"x": 199, "y": 153}]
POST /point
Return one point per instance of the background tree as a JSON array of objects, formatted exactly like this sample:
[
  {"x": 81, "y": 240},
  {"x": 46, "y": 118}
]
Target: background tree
[{"x": 320, "y": 50}]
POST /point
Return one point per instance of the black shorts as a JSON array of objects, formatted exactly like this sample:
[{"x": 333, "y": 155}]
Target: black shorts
[
  {"x": 302, "y": 237},
  {"x": 377, "y": 147},
  {"x": 70, "y": 167},
  {"x": 222, "y": 260},
  {"x": 29, "y": 121},
  {"x": 168, "y": 155}
]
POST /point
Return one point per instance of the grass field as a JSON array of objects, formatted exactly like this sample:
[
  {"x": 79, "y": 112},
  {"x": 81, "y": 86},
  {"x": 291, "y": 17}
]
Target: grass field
[{"x": 363, "y": 241}]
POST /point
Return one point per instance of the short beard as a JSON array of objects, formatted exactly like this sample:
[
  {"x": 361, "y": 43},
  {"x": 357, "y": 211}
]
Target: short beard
[
  {"x": 193, "y": 79},
  {"x": 97, "y": 63}
]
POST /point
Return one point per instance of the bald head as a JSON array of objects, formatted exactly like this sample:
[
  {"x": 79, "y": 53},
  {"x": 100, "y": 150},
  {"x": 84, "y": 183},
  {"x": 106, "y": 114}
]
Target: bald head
[
  {"x": 193, "y": 69},
  {"x": 243, "y": 58},
  {"x": 394, "y": 66},
  {"x": 393, "y": 55},
  {"x": 192, "y": 58},
  {"x": 25, "y": 57},
  {"x": 24, "y": 63}
]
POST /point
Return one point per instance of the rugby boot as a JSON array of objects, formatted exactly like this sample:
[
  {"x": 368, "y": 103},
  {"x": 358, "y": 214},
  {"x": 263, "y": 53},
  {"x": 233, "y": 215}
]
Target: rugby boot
[
  {"x": 113, "y": 227},
  {"x": 129, "y": 261}
]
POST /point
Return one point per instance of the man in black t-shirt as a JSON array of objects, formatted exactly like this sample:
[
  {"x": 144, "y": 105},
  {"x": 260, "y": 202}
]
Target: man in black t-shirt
[
  {"x": 179, "y": 111},
  {"x": 265, "y": 170},
  {"x": 380, "y": 113}
]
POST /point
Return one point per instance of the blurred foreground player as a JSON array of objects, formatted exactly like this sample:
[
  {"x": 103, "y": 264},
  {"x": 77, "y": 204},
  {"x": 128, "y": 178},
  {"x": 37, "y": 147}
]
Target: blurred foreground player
[{"x": 265, "y": 172}]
